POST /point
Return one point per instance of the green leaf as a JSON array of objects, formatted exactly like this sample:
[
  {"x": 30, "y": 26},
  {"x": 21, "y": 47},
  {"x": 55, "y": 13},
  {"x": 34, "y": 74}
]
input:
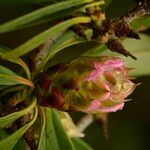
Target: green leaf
[
  {"x": 4, "y": 121},
  {"x": 18, "y": 61},
  {"x": 56, "y": 137},
  {"x": 54, "y": 16},
  {"x": 11, "y": 89},
  {"x": 80, "y": 144},
  {"x": 37, "y": 14},
  {"x": 62, "y": 13},
  {"x": 21, "y": 145},
  {"x": 8, "y": 77},
  {"x": 4, "y": 70},
  {"x": 42, "y": 138},
  {"x": 24, "y": 66},
  {"x": 97, "y": 51},
  {"x": 3, "y": 134},
  {"x": 44, "y": 36},
  {"x": 21, "y": 1},
  {"x": 9, "y": 142}
]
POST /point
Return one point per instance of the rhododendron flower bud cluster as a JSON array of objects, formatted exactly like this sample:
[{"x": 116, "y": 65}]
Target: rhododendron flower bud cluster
[{"x": 87, "y": 84}]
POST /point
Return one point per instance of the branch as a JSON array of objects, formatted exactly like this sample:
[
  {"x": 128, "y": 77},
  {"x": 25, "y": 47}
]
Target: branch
[{"x": 142, "y": 9}]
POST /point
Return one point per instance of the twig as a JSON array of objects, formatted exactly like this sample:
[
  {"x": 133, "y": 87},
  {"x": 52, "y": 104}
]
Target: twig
[
  {"x": 142, "y": 9},
  {"x": 42, "y": 50}
]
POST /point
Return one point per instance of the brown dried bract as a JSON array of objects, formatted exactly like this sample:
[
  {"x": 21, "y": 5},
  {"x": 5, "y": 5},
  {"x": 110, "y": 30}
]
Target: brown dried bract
[
  {"x": 115, "y": 45},
  {"x": 78, "y": 29},
  {"x": 109, "y": 31}
]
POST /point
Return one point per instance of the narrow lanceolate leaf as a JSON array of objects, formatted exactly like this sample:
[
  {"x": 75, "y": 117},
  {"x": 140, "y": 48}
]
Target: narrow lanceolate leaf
[
  {"x": 18, "y": 61},
  {"x": 56, "y": 137},
  {"x": 6, "y": 120},
  {"x": 37, "y": 14},
  {"x": 24, "y": 66},
  {"x": 8, "y": 77},
  {"x": 42, "y": 139},
  {"x": 20, "y": 145},
  {"x": 21, "y": 1},
  {"x": 94, "y": 4},
  {"x": 3, "y": 134},
  {"x": 11, "y": 89},
  {"x": 62, "y": 14},
  {"x": 4, "y": 70},
  {"x": 9, "y": 142},
  {"x": 44, "y": 36},
  {"x": 13, "y": 80},
  {"x": 80, "y": 144}
]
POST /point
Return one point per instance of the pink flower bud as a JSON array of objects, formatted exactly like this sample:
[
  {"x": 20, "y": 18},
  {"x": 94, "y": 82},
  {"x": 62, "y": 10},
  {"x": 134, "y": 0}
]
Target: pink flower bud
[{"x": 88, "y": 84}]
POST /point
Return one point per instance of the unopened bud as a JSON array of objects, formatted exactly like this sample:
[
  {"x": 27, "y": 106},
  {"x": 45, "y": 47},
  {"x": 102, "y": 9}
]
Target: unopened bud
[{"x": 88, "y": 84}]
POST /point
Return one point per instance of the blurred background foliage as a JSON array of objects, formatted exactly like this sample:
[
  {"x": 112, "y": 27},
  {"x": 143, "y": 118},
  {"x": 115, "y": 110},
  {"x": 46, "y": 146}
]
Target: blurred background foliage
[{"x": 128, "y": 129}]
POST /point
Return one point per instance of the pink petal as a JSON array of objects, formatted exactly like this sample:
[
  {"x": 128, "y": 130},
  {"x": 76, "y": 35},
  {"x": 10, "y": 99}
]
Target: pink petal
[
  {"x": 94, "y": 105},
  {"x": 112, "y": 109},
  {"x": 97, "y": 65},
  {"x": 105, "y": 86},
  {"x": 98, "y": 71},
  {"x": 123, "y": 70},
  {"x": 105, "y": 97},
  {"x": 114, "y": 63},
  {"x": 93, "y": 75}
]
